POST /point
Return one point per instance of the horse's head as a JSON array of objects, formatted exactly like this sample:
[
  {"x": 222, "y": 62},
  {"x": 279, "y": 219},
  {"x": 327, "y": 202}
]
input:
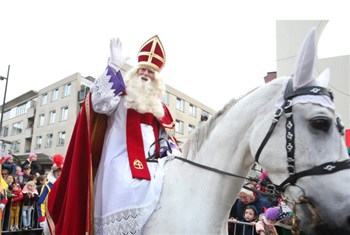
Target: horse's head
[{"x": 304, "y": 152}]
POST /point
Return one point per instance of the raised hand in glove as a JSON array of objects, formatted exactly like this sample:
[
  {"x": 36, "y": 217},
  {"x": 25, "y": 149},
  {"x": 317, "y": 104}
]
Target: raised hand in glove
[
  {"x": 117, "y": 60},
  {"x": 2, "y": 206}
]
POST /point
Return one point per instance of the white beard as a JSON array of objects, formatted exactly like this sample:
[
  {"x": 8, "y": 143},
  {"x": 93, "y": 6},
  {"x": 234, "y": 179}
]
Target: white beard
[{"x": 144, "y": 96}]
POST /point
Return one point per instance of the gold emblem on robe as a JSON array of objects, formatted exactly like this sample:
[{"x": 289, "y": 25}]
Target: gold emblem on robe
[{"x": 138, "y": 164}]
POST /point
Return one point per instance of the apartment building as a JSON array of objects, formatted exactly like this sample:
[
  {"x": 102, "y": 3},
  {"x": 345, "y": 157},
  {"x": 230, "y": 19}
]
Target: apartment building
[
  {"x": 18, "y": 122},
  {"x": 43, "y": 121}
]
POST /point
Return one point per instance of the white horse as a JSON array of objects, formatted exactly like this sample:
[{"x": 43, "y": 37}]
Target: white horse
[
  {"x": 197, "y": 201},
  {"x": 302, "y": 150}
]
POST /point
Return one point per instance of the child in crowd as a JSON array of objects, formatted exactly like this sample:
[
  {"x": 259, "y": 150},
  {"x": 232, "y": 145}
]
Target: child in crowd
[
  {"x": 10, "y": 179},
  {"x": 266, "y": 225},
  {"x": 9, "y": 164},
  {"x": 250, "y": 216},
  {"x": 4, "y": 173},
  {"x": 30, "y": 196},
  {"x": 32, "y": 161},
  {"x": 16, "y": 198},
  {"x": 41, "y": 180}
]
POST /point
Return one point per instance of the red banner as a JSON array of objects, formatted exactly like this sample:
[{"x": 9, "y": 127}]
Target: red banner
[{"x": 347, "y": 138}]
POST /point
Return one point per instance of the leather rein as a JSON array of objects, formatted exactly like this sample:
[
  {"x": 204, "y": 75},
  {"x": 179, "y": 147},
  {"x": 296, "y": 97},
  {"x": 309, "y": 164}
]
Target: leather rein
[{"x": 162, "y": 152}]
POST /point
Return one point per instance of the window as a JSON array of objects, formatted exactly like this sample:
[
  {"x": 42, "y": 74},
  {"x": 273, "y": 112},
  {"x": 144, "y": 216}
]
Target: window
[
  {"x": 13, "y": 112},
  {"x": 6, "y": 115},
  {"x": 179, "y": 104},
  {"x": 64, "y": 113},
  {"x": 192, "y": 110},
  {"x": 61, "y": 138},
  {"x": 49, "y": 140},
  {"x": 17, "y": 128},
  {"x": 190, "y": 128},
  {"x": 44, "y": 99},
  {"x": 52, "y": 117},
  {"x": 38, "y": 142},
  {"x": 21, "y": 109},
  {"x": 179, "y": 126},
  {"x": 166, "y": 98},
  {"x": 41, "y": 119},
  {"x": 15, "y": 146},
  {"x": 18, "y": 110},
  {"x": 28, "y": 105},
  {"x": 84, "y": 90},
  {"x": 67, "y": 88},
  {"x": 54, "y": 95},
  {"x": 5, "y": 131}
]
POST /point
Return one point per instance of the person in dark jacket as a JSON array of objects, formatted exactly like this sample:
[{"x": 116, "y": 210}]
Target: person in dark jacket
[
  {"x": 26, "y": 176},
  {"x": 40, "y": 181},
  {"x": 247, "y": 197},
  {"x": 35, "y": 167},
  {"x": 9, "y": 164}
]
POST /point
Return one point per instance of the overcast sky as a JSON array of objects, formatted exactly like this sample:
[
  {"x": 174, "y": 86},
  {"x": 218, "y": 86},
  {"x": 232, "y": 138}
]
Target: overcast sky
[{"x": 216, "y": 50}]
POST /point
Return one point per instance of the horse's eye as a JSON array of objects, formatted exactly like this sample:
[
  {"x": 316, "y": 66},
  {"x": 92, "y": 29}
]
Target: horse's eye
[{"x": 320, "y": 123}]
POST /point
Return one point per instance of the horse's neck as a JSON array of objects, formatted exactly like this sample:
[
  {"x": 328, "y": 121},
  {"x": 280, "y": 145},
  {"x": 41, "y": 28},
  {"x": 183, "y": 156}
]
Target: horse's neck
[
  {"x": 197, "y": 201},
  {"x": 196, "y": 198}
]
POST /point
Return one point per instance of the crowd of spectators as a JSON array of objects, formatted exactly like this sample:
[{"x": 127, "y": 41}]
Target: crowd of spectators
[
  {"x": 257, "y": 209},
  {"x": 21, "y": 186}
]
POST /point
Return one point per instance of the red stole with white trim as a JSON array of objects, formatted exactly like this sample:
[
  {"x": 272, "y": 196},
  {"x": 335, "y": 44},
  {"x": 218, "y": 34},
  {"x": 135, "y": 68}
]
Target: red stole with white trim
[{"x": 134, "y": 142}]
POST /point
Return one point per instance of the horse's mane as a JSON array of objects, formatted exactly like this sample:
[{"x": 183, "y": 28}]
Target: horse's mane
[{"x": 199, "y": 134}]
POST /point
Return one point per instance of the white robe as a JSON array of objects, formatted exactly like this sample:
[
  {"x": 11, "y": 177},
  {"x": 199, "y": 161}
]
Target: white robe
[{"x": 122, "y": 204}]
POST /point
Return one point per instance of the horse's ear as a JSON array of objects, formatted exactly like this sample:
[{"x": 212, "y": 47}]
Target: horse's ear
[
  {"x": 305, "y": 61},
  {"x": 323, "y": 78}
]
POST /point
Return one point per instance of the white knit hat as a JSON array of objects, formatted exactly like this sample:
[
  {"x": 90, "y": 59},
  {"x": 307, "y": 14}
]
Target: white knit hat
[{"x": 247, "y": 192}]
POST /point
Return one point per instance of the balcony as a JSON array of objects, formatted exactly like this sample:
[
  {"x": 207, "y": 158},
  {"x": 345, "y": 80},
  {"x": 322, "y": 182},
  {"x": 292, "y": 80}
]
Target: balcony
[
  {"x": 31, "y": 113},
  {"x": 28, "y": 132}
]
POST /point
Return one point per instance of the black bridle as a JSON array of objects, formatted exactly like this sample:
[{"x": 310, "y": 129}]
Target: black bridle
[{"x": 326, "y": 168}]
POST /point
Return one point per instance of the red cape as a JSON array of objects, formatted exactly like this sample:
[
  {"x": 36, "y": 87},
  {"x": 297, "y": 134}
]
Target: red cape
[{"x": 70, "y": 202}]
